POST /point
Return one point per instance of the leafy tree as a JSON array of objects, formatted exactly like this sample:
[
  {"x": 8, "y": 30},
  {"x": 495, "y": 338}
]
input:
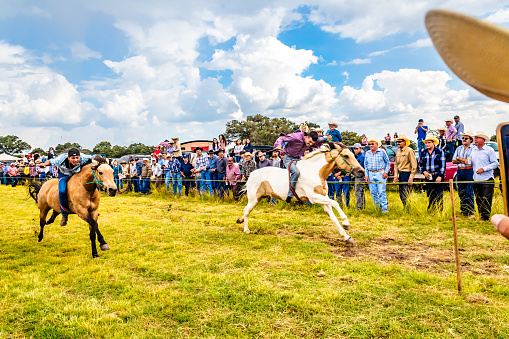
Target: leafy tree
[
  {"x": 139, "y": 148},
  {"x": 38, "y": 150},
  {"x": 350, "y": 138},
  {"x": 493, "y": 138},
  {"x": 118, "y": 151},
  {"x": 260, "y": 129},
  {"x": 67, "y": 146},
  {"x": 11, "y": 144},
  {"x": 104, "y": 147},
  {"x": 413, "y": 145}
]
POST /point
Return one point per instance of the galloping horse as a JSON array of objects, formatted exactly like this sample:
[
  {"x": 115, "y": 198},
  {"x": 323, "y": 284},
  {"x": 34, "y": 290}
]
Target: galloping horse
[
  {"x": 314, "y": 169},
  {"x": 83, "y": 199}
]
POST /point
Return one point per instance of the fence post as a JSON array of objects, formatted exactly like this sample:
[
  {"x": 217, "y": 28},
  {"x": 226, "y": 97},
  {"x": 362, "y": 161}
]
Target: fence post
[{"x": 455, "y": 232}]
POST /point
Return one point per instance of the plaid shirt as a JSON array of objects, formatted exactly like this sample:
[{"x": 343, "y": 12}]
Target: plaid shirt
[
  {"x": 377, "y": 161},
  {"x": 202, "y": 162},
  {"x": 175, "y": 166},
  {"x": 461, "y": 152},
  {"x": 432, "y": 163}
]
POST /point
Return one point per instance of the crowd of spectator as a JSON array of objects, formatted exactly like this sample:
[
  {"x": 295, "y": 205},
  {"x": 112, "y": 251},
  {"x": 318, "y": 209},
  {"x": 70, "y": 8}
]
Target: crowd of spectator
[{"x": 220, "y": 170}]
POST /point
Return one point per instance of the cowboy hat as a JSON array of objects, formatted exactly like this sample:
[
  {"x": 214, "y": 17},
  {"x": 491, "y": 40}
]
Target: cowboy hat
[
  {"x": 375, "y": 140},
  {"x": 482, "y": 135},
  {"x": 434, "y": 139},
  {"x": 176, "y": 139},
  {"x": 441, "y": 129},
  {"x": 403, "y": 137},
  {"x": 469, "y": 134},
  {"x": 449, "y": 120},
  {"x": 247, "y": 154},
  {"x": 333, "y": 124},
  {"x": 304, "y": 128},
  {"x": 476, "y": 51}
]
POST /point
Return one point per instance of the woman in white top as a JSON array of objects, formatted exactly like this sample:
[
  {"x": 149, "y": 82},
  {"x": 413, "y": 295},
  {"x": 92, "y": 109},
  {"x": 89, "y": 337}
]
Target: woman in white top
[{"x": 237, "y": 149}]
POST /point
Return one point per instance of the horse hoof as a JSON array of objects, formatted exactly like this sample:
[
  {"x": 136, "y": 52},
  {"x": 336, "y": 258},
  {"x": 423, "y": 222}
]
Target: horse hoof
[
  {"x": 105, "y": 247},
  {"x": 239, "y": 221},
  {"x": 349, "y": 241},
  {"x": 346, "y": 227},
  {"x": 95, "y": 255}
]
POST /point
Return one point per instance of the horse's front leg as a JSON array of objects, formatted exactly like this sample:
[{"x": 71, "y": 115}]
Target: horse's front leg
[
  {"x": 94, "y": 215},
  {"x": 342, "y": 215},
  {"x": 92, "y": 226},
  {"x": 328, "y": 209}
]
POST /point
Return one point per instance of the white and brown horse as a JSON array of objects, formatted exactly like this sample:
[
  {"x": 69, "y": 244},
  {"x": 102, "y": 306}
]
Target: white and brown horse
[
  {"x": 83, "y": 199},
  {"x": 314, "y": 169}
]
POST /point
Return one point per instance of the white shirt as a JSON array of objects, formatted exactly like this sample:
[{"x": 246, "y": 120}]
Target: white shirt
[
  {"x": 484, "y": 158},
  {"x": 157, "y": 170}
]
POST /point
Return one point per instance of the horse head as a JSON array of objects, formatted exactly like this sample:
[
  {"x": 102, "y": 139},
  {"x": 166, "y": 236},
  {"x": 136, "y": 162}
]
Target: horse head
[
  {"x": 345, "y": 160},
  {"x": 104, "y": 175}
]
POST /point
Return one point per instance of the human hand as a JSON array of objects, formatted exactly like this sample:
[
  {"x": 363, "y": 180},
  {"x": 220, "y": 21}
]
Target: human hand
[
  {"x": 396, "y": 179},
  {"x": 367, "y": 179},
  {"x": 501, "y": 224},
  {"x": 426, "y": 175},
  {"x": 480, "y": 171},
  {"x": 410, "y": 181},
  {"x": 439, "y": 179},
  {"x": 385, "y": 175}
]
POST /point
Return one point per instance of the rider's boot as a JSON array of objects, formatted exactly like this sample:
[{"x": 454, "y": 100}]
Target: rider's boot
[{"x": 63, "y": 222}]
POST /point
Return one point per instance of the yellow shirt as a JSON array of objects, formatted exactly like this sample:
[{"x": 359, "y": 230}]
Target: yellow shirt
[{"x": 405, "y": 161}]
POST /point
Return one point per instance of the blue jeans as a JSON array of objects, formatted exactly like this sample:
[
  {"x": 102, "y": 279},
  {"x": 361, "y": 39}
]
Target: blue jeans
[
  {"x": 136, "y": 184},
  {"x": 42, "y": 177},
  {"x": 294, "y": 172},
  {"x": 378, "y": 191},
  {"x": 420, "y": 145},
  {"x": 450, "y": 148},
  {"x": 344, "y": 189},
  {"x": 204, "y": 182},
  {"x": 62, "y": 194},
  {"x": 435, "y": 193},
  {"x": 213, "y": 180},
  {"x": 118, "y": 182},
  {"x": 13, "y": 181},
  {"x": 221, "y": 188},
  {"x": 167, "y": 180},
  {"x": 176, "y": 179},
  {"x": 404, "y": 190},
  {"x": 332, "y": 186},
  {"x": 145, "y": 185},
  {"x": 466, "y": 190}
]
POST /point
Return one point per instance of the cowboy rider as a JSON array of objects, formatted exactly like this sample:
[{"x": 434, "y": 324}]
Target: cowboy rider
[
  {"x": 68, "y": 164},
  {"x": 296, "y": 145}
]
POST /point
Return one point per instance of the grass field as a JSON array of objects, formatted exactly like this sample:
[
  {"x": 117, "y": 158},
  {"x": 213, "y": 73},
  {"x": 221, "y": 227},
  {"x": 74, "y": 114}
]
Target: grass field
[{"x": 182, "y": 267}]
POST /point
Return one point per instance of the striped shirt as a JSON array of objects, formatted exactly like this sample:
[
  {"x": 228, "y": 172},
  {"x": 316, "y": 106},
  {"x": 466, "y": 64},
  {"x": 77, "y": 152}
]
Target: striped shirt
[
  {"x": 64, "y": 166},
  {"x": 432, "y": 163},
  {"x": 463, "y": 153},
  {"x": 174, "y": 166},
  {"x": 377, "y": 161}
]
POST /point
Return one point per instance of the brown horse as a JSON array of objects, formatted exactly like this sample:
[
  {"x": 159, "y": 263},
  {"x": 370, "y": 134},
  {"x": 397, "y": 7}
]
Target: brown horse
[{"x": 83, "y": 199}]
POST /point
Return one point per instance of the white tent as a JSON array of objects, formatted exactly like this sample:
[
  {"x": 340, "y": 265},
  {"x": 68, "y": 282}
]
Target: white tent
[{"x": 7, "y": 157}]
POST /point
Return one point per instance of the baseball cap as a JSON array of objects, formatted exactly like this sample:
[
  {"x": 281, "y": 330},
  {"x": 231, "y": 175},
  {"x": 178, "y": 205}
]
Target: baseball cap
[
  {"x": 357, "y": 145},
  {"x": 421, "y": 120}
]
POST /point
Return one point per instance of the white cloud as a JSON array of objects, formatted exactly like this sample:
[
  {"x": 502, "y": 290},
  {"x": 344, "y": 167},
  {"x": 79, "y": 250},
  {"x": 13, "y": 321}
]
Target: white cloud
[
  {"x": 499, "y": 17},
  {"x": 356, "y": 62},
  {"x": 80, "y": 51},
  {"x": 389, "y": 99},
  {"x": 416, "y": 44}
]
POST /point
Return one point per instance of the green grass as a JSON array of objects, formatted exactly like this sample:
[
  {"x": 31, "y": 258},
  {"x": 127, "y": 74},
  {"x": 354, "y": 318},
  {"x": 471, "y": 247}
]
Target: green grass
[{"x": 182, "y": 267}]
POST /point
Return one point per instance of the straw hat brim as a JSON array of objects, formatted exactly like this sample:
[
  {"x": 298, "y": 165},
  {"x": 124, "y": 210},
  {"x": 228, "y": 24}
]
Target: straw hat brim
[
  {"x": 476, "y": 51},
  {"x": 435, "y": 140},
  {"x": 403, "y": 137},
  {"x": 376, "y": 140},
  {"x": 482, "y": 135}
]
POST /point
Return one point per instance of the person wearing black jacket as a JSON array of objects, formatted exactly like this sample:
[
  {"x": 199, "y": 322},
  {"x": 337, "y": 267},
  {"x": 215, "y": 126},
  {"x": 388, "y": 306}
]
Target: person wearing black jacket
[{"x": 186, "y": 173}]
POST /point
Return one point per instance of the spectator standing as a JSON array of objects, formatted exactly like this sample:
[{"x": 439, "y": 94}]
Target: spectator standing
[
  {"x": 51, "y": 153},
  {"x": 442, "y": 141},
  {"x": 177, "y": 149},
  {"x": 233, "y": 175},
  {"x": 263, "y": 161},
  {"x": 377, "y": 165},
  {"x": 364, "y": 140},
  {"x": 222, "y": 143},
  {"x": 248, "y": 147},
  {"x": 221, "y": 172},
  {"x": 157, "y": 172},
  {"x": 13, "y": 174},
  {"x": 32, "y": 170},
  {"x": 395, "y": 138},
  {"x": 405, "y": 167},
  {"x": 165, "y": 167},
  {"x": 249, "y": 166},
  {"x": 186, "y": 171},
  {"x": 215, "y": 145},
  {"x": 157, "y": 151},
  {"x": 202, "y": 171},
  {"x": 146, "y": 173},
  {"x": 213, "y": 170},
  {"x": 237, "y": 149},
  {"x": 460, "y": 129},
  {"x": 388, "y": 139},
  {"x": 450, "y": 136},
  {"x": 432, "y": 165},
  {"x": 124, "y": 174},
  {"x": 359, "y": 182},
  {"x": 463, "y": 158},
  {"x": 117, "y": 170},
  {"x": 275, "y": 159},
  {"x": 2, "y": 174},
  {"x": 133, "y": 170},
  {"x": 484, "y": 161},
  {"x": 421, "y": 131},
  {"x": 343, "y": 188},
  {"x": 176, "y": 176},
  {"x": 333, "y": 134},
  {"x": 171, "y": 147}
]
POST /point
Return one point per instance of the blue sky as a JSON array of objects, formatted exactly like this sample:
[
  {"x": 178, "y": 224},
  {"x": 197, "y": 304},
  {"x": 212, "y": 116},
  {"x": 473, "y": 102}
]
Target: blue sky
[{"x": 130, "y": 71}]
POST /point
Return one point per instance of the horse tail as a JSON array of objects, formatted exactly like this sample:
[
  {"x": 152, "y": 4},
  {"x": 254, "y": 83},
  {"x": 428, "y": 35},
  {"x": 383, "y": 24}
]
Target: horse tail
[{"x": 33, "y": 189}]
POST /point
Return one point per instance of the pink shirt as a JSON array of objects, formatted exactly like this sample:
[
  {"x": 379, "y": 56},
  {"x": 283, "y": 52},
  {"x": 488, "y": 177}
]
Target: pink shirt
[
  {"x": 13, "y": 171},
  {"x": 233, "y": 174},
  {"x": 451, "y": 133}
]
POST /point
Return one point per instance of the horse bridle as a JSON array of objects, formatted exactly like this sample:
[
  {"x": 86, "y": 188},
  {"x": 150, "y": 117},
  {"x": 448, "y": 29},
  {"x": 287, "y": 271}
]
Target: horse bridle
[
  {"x": 344, "y": 161},
  {"x": 96, "y": 181}
]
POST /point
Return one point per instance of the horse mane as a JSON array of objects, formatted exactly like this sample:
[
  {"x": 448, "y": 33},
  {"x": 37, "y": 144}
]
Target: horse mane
[{"x": 323, "y": 149}]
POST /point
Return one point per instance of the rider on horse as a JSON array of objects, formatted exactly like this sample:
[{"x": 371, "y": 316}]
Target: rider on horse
[
  {"x": 68, "y": 164},
  {"x": 296, "y": 145}
]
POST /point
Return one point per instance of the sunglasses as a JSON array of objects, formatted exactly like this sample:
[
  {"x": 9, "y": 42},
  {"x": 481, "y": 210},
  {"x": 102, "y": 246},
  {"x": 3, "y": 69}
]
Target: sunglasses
[
  {"x": 400, "y": 141},
  {"x": 466, "y": 138},
  {"x": 371, "y": 144}
]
